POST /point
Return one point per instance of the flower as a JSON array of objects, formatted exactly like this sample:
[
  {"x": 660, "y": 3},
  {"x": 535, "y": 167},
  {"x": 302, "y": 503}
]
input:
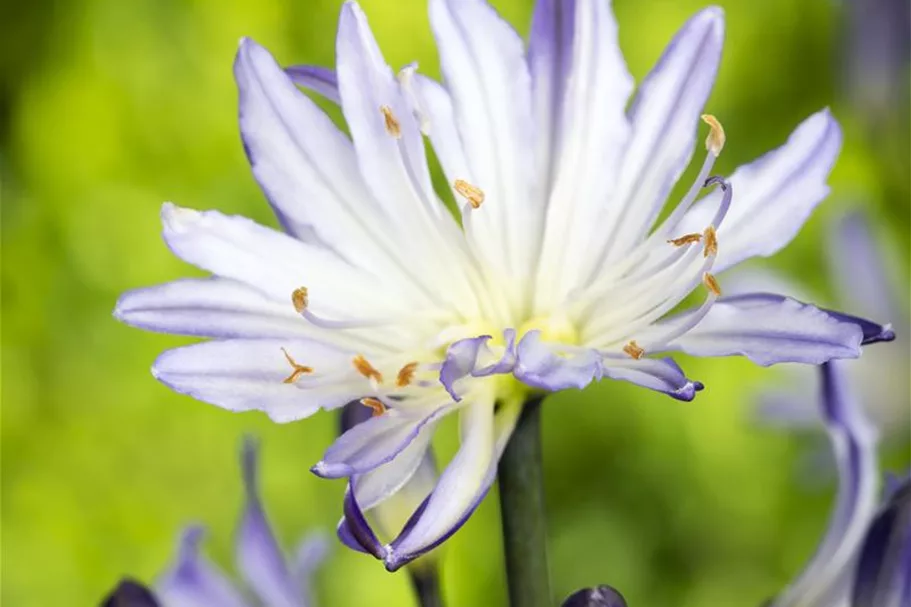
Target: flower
[
  {"x": 555, "y": 273},
  {"x": 861, "y": 280},
  {"x": 864, "y": 558},
  {"x": 194, "y": 582}
]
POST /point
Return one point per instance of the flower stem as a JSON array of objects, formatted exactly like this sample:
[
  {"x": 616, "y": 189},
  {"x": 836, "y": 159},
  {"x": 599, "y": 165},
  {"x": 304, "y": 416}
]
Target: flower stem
[
  {"x": 426, "y": 583},
  {"x": 522, "y": 512}
]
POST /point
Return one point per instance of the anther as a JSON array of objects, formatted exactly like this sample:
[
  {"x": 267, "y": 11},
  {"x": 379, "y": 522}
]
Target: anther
[
  {"x": 715, "y": 141},
  {"x": 711, "y": 283},
  {"x": 711, "y": 242},
  {"x": 300, "y": 299},
  {"x": 375, "y": 404},
  {"x": 406, "y": 374},
  {"x": 392, "y": 124},
  {"x": 634, "y": 350},
  {"x": 473, "y": 194},
  {"x": 685, "y": 240},
  {"x": 366, "y": 369},
  {"x": 298, "y": 369}
]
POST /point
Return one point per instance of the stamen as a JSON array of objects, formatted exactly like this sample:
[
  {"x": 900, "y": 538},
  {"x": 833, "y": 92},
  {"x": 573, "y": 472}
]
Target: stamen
[
  {"x": 406, "y": 374},
  {"x": 473, "y": 194},
  {"x": 300, "y": 299},
  {"x": 685, "y": 240},
  {"x": 633, "y": 349},
  {"x": 298, "y": 369},
  {"x": 375, "y": 404},
  {"x": 366, "y": 369},
  {"x": 715, "y": 141},
  {"x": 392, "y": 124},
  {"x": 711, "y": 242},
  {"x": 711, "y": 283}
]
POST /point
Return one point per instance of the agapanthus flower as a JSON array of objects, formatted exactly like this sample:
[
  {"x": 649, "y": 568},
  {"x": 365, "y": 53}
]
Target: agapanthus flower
[
  {"x": 274, "y": 581},
  {"x": 864, "y": 557},
  {"x": 861, "y": 278},
  {"x": 555, "y": 271}
]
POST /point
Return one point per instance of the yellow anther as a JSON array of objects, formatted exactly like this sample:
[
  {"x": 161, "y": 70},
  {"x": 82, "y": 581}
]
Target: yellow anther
[
  {"x": 711, "y": 283},
  {"x": 300, "y": 299},
  {"x": 375, "y": 404},
  {"x": 298, "y": 370},
  {"x": 685, "y": 240},
  {"x": 406, "y": 374},
  {"x": 711, "y": 242},
  {"x": 366, "y": 369},
  {"x": 392, "y": 123},
  {"x": 473, "y": 194},
  {"x": 715, "y": 141},
  {"x": 634, "y": 350}
]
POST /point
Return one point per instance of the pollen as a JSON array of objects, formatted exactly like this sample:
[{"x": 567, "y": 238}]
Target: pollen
[
  {"x": 685, "y": 240},
  {"x": 634, "y": 350},
  {"x": 711, "y": 283},
  {"x": 715, "y": 141},
  {"x": 406, "y": 374},
  {"x": 711, "y": 242},
  {"x": 392, "y": 124},
  {"x": 375, "y": 404},
  {"x": 298, "y": 370},
  {"x": 366, "y": 369},
  {"x": 300, "y": 299},
  {"x": 473, "y": 194}
]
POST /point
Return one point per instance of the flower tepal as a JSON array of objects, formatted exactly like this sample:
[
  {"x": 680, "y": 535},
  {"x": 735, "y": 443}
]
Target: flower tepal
[{"x": 554, "y": 273}]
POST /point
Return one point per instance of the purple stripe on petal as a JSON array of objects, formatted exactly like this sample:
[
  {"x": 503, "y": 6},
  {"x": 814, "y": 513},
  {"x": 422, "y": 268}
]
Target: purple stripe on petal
[
  {"x": 193, "y": 581},
  {"x": 538, "y": 366},
  {"x": 357, "y": 527},
  {"x": 259, "y": 557},
  {"x": 506, "y": 363},
  {"x": 318, "y": 79},
  {"x": 461, "y": 358},
  {"x": 662, "y": 375},
  {"x": 346, "y": 536}
]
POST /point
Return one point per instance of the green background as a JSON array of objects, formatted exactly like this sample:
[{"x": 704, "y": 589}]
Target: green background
[{"x": 110, "y": 107}]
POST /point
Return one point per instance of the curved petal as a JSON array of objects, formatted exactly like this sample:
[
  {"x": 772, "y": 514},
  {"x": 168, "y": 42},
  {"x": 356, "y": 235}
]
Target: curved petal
[
  {"x": 209, "y": 307},
  {"x": 377, "y": 441},
  {"x": 483, "y": 61},
  {"x": 854, "y": 443},
  {"x": 259, "y": 557},
  {"x": 768, "y": 329},
  {"x": 318, "y": 79},
  {"x": 461, "y": 359},
  {"x": 664, "y": 116},
  {"x": 662, "y": 375},
  {"x": 537, "y": 365},
  {"x": 776, "y": 194},
  {"x": 193, "y": 581},
  {"x": 308, "y": 556},
  {"x": 393, "y": 512},
  {"x": 247, "y": 374},
  {"x": 459, "y": 491},
  {"x": 373, "y": 488}
]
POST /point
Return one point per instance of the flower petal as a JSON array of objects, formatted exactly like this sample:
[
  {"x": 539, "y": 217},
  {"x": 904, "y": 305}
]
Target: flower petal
[
  {"x": 599, "y": 596},
  {"x": 318, "y": 79},
  {"x": 664, "y": 116},
  {"x": 592, "y": 86},
  {"x": 374, "y": 487},
  {"x": 377, "y": 441},
  {"x": 130, "y": 593},
  {"x": 246, "y": 374},
  {"x": 854, "y": 443},
  {"x": 461, "y": 359},
  {"x": 768, "y": 329},
  {"x": 883, "y": 574},
  {"x": 775, "y": 194},
  {"x": 354, "y": 530},
  {"x": 259, "y": 557},
  {"x": 193, "y": 581},
  {"x": 537, "y": 365},
  {"x": 662, "y": 375},
  {"x": 309, "y": 555},
  {"x": 210, "y": 307},
  {"x": 483, "y": 61}
]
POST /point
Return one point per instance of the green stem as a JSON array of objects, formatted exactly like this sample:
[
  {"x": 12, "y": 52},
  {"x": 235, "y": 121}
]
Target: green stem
[
  {"x": 426, "y": 582},
  {"x": 522, "y": 511}
]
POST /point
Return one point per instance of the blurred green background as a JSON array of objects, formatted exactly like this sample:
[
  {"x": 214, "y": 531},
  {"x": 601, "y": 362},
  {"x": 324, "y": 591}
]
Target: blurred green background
[{"x": 109, "y": 107}]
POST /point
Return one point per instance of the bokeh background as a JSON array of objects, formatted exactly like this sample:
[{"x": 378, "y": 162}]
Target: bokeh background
[{"x": 109, "y": 107}]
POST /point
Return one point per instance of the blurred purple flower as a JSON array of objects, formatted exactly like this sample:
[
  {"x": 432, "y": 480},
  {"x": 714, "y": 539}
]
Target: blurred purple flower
[
  {"x": 559, "y": 274},
  {"x": 275, "y": 582}
]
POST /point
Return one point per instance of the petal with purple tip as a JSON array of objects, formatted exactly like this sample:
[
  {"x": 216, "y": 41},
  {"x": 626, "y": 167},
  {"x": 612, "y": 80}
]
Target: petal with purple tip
[
  {"x": 461, "y": 360},
  {"x": 538, "y": 365},
  {"x": 662, "y": 375},
  {"x": 193, "y": 581}
]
